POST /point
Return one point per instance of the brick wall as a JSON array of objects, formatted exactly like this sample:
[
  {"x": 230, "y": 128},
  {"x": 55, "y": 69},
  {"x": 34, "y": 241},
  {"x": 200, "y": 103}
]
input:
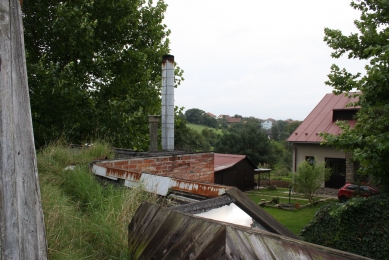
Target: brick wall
[{"x": 195, "y": 167}]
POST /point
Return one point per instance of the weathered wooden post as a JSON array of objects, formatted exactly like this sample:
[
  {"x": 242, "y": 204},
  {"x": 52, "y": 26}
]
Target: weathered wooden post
[{"x": 22, "y": 231}]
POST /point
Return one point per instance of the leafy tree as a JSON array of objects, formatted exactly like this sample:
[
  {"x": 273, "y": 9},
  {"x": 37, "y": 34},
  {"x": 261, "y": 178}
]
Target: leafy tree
[
  {"x": 222, "y": 123},
  {"x": 369, "y": 139},
  {"x": 94, "y": 68},
  {"x": 275, "y": 132},
  {"x": 208, "y": 121},
  {"x": 252, "y": 120},
  {"x": 187, "y": 139},
  {"x": 282, "y": 124},
  {"x": 247, "y": 139},
  {"x": 284, "y": 157},
  {"x": 290, "y": 128},
  {"x": 193, "y": 115},
  {"x": 309, "y": 178},
  {"x": 210, "y": 135}
]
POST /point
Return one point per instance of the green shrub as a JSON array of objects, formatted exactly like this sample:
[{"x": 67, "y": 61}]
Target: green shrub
[
  {"x": 275, "y": 200},
  {"x": 359, "y": 226},
  {"x": 309, "y": 178}
]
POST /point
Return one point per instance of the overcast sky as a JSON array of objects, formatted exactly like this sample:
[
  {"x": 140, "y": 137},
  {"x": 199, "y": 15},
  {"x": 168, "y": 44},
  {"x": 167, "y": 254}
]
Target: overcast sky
[{"x": 258, "y": 58}]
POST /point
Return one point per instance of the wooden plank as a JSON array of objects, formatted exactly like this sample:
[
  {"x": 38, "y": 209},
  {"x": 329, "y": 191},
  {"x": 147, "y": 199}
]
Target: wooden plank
[
  {"x": 276, "y": 247},
  {"x": 216, "y": 247},
  {"x": 232, "y": 249},
  {"x": 242, "y": 243},
  {"x": 203, "y": 241},
  {"x": 172, "y": 230},
  {"x": 140, "y": 222},
  {"x": 305, "y": 250},
  {"x": 195, "y": 229},
  {"x": 21, "y": 218},
  {"x": 259, "y": 247},
  {"x": 141, "y": 219},
  {"x": 149, "y": 232}
]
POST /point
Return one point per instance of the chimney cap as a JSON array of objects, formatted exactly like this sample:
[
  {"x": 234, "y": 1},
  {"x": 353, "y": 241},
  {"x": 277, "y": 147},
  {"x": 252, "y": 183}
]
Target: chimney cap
[{"x": 167, "y": 57}]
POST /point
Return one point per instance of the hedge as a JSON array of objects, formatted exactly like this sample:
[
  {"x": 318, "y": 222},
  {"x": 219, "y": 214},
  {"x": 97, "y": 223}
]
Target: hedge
[{"x": 359, "y": 226}]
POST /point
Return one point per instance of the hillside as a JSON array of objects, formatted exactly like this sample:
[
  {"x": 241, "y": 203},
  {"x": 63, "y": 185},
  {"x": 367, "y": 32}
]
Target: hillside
[{"x": 200, "y": 128}]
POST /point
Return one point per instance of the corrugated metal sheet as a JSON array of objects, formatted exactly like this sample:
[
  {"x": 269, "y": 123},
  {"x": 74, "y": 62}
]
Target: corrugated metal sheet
[
  {"x": 320, "y": 119},
  {"x": 161, "y": 233}
]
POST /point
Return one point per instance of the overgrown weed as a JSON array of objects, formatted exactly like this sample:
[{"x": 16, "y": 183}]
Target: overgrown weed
[{"x": 84, "y": 218}]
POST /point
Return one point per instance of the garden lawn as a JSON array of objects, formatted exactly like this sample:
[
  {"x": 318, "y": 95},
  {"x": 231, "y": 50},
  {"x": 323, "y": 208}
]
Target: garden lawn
[
  {"x": 281, "y": 193},
  {"x": 294, "y": 220}
]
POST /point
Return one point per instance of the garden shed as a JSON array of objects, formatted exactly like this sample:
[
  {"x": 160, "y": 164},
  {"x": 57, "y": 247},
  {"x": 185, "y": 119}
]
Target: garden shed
[{"x": 234, "y": 170}]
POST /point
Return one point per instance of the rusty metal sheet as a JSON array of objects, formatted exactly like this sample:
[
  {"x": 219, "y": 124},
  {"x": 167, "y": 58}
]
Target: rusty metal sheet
[
  {"x": 198, "y": 188},
  {"x": 123, "y": 174}
]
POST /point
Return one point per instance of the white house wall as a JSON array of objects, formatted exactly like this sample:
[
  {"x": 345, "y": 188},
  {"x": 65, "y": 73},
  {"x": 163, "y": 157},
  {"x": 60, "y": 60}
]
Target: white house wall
[{"x": 300, "y": 151}]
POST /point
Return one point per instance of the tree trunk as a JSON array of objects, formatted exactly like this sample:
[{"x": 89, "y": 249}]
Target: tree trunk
[{"x": 22, "y": 229}]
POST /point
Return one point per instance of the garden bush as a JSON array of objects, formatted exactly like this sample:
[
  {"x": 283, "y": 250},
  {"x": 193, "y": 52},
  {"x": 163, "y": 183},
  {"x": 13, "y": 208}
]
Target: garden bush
[{"x": 359, "y": 226}]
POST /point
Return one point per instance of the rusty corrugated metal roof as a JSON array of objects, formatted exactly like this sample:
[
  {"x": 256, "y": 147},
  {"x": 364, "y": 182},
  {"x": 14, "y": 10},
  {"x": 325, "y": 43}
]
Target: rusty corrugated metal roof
[
  {"x": 161, "y": 233},
  {"x": 160, "y": 185},
  {"x": 224, "y": 161},
  {"x": 320, "y": 119}
]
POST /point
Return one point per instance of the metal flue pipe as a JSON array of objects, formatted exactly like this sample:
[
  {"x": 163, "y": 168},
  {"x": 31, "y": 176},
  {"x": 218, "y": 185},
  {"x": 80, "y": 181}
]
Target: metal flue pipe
[{"x": 167, "y": 103}]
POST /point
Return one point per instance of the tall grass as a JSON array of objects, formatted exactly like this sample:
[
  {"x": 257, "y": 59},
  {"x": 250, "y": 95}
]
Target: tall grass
[{"x": 85, "y": 218}]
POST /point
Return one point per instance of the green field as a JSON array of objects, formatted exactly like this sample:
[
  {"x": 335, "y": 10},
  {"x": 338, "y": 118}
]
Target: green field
[{"x": 200, "y": 128}]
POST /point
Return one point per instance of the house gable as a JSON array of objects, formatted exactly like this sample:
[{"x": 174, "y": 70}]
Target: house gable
[{"x": 322, "y": 119}]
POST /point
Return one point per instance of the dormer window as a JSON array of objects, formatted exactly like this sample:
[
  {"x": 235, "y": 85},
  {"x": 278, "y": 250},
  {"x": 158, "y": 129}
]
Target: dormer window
[{"x": 344, "y": 114}]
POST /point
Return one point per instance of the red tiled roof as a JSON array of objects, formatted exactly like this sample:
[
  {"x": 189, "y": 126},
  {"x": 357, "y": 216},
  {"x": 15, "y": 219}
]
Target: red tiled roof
[
  {"x": 224, "y": 161},
  {"x": 234, "y": 120},
  {"x": 211, "y": 115},
  {"x": 320, "y": 119}
]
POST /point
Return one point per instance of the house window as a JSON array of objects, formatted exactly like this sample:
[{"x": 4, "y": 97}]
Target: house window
[
  {"x": 346, "y": 114},
  {"x": 310, "y": 159},
  {"x": 337, "y": 166}
]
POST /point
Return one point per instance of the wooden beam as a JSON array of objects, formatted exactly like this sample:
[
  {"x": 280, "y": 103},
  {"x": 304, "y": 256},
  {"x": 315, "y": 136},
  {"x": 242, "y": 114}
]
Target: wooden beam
[{"x": 22, "y": 231}]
